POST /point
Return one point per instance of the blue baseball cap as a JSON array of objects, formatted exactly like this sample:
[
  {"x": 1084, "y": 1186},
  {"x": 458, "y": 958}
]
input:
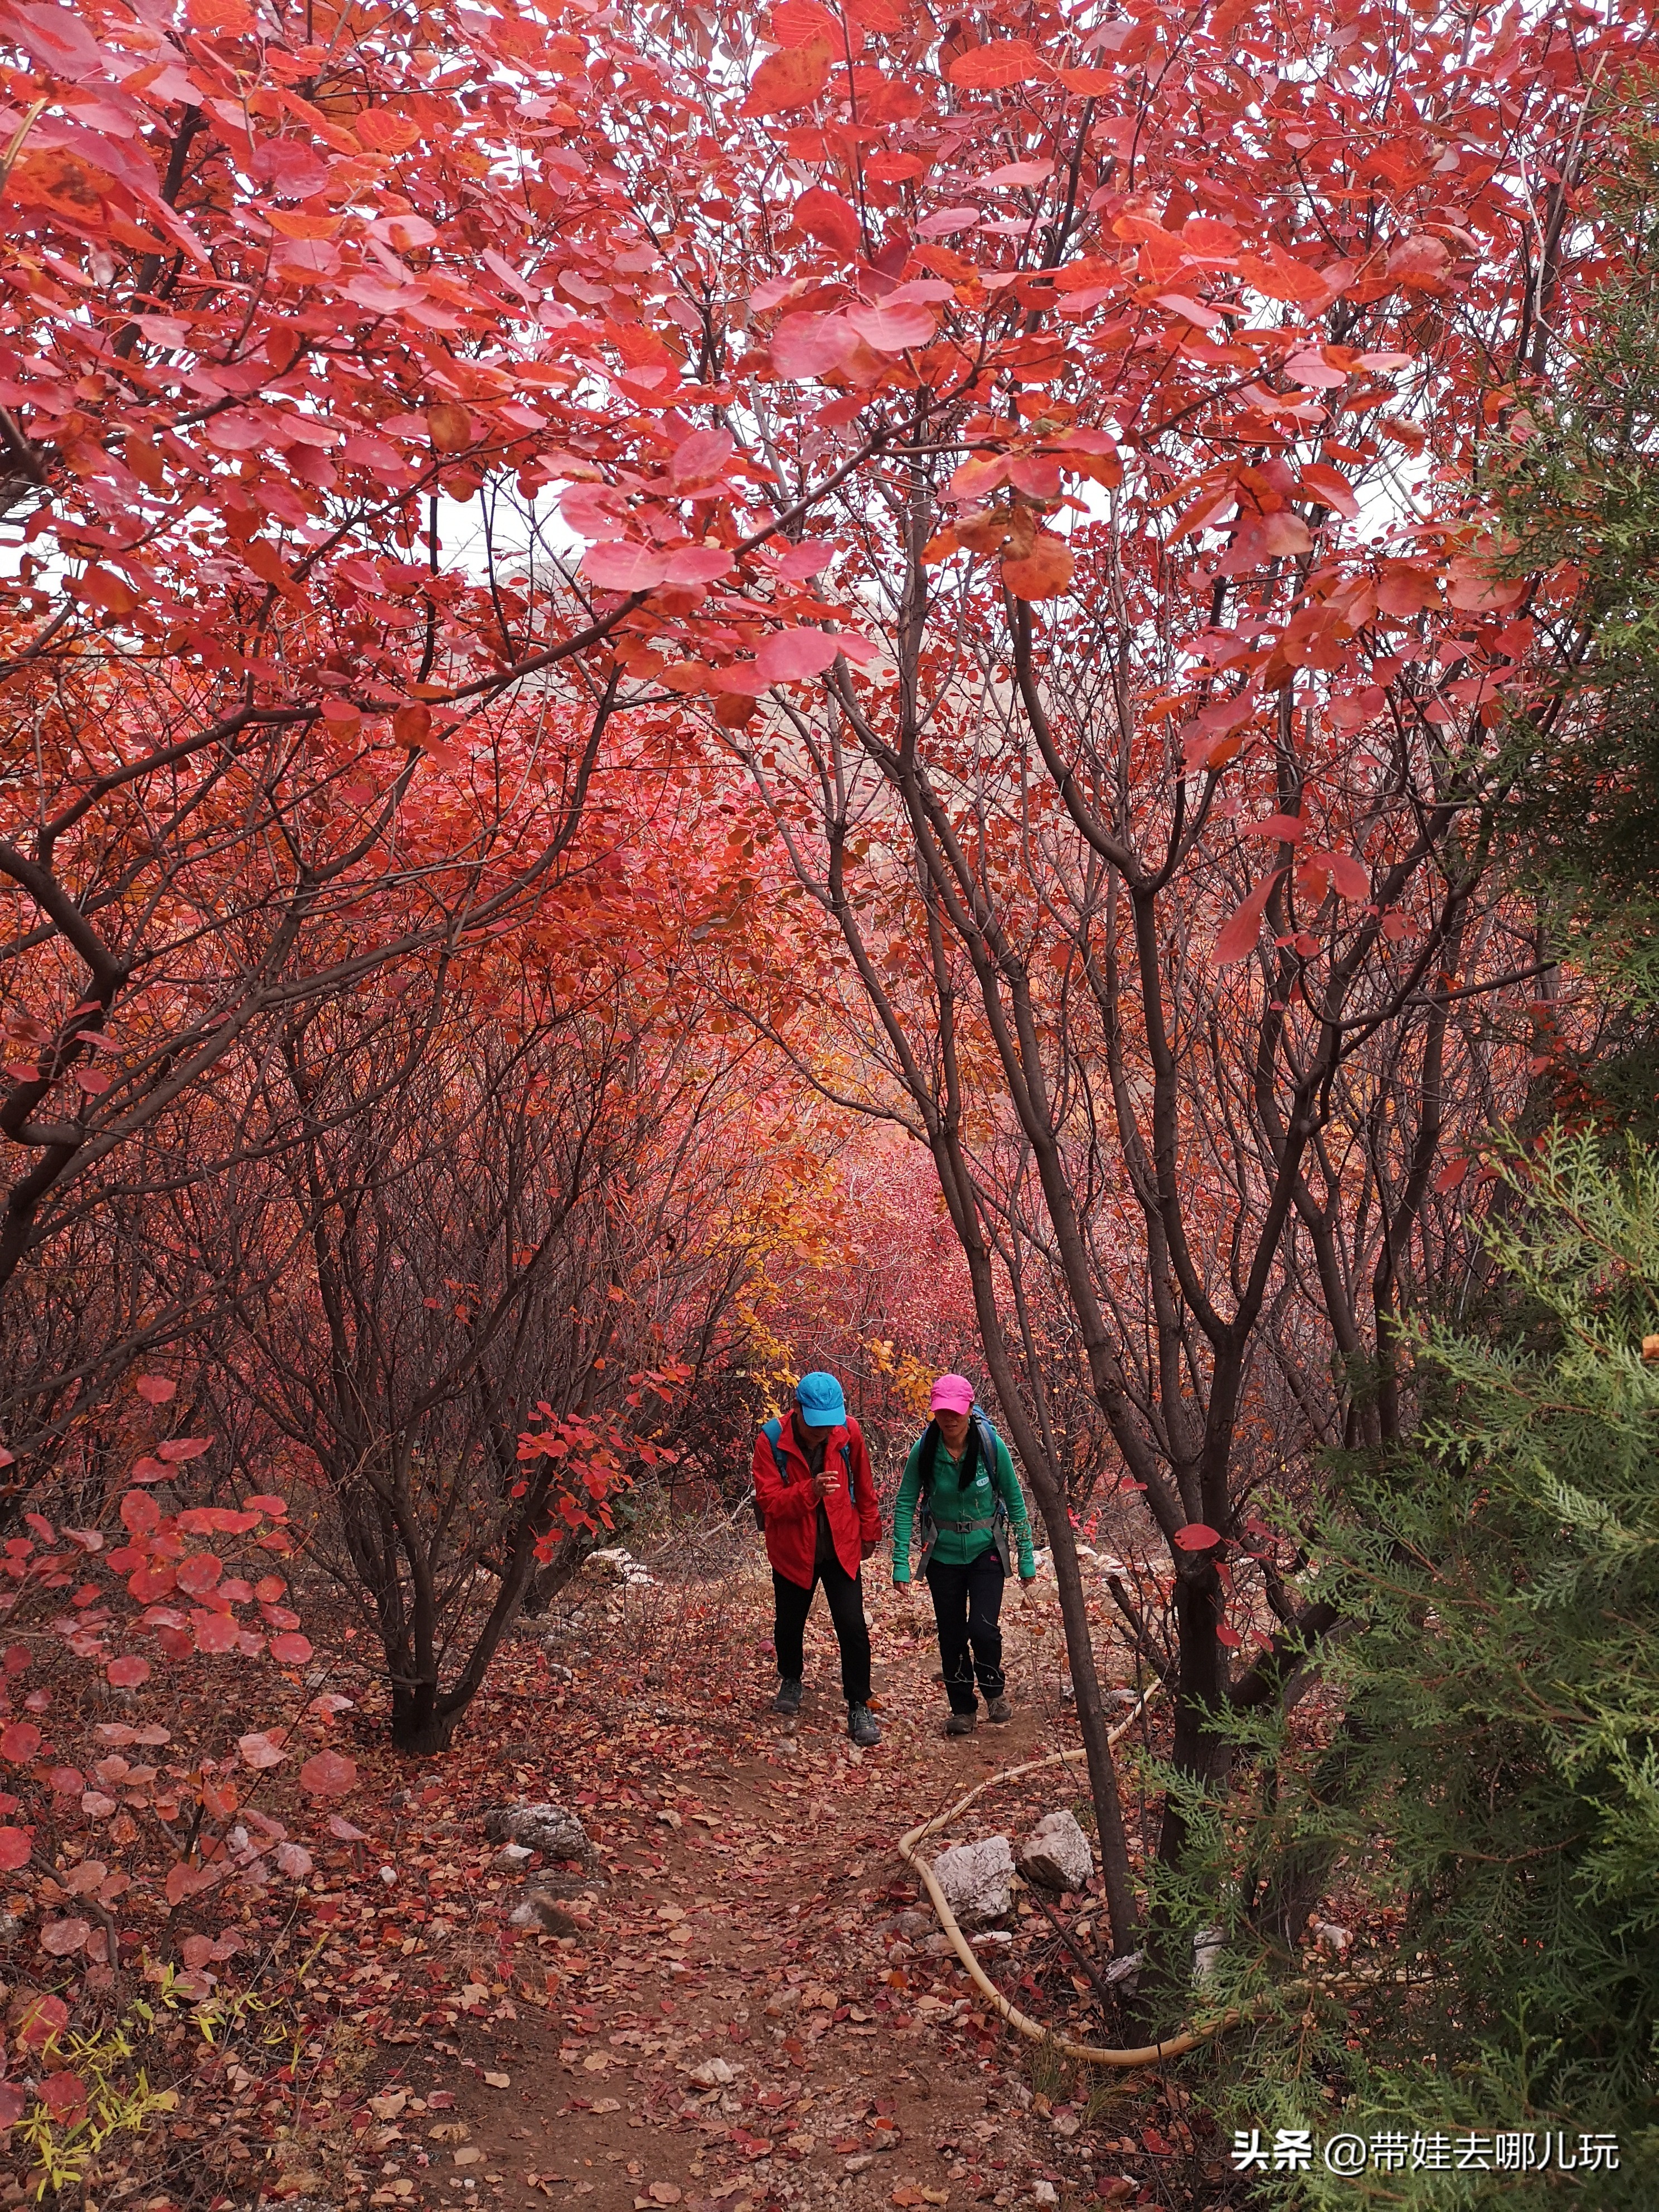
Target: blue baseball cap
[{"x": 822, "y": 1406}]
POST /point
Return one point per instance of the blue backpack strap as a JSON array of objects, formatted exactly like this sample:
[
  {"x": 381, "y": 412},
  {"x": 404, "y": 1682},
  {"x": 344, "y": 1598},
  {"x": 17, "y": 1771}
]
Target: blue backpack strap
[{"x": 773, "y": 1432}]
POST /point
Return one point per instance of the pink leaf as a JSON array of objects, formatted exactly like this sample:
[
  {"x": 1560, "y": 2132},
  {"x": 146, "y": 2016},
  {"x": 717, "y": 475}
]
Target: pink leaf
[
  {"x": 805, "y": 560},
  {"x": 260, "y": 1748},
  {"x": 214, "y": 1632},
  {"x": 92, "y": 1080},
  {"x": 699, "y": 457},
  {"x": 328, "y": 1774},
  {"x": 1236, "y": 941},
  {"x": 793, "y": 655},
  {"x": 1196, "y": 1536},
  {"x": 292, "y": 1860},
  {"x": 290, "y": 1650},
  {"x": 892, "y": 330},
  {"x": 344, "y": 1829},
  {"x": 811, "y": 345},
  {"x": 154, "y": 1390},
  {"x": 618, "y": 568},
  {"x": 1312, "y": 372},
  {"x": 127, "y": 1674},
  {"x": 12, "y": 2102},
  {"x": 697, "y": 564},
  {"x": 14, "y": 1849},
  {"x": 61, "y": 1937}
]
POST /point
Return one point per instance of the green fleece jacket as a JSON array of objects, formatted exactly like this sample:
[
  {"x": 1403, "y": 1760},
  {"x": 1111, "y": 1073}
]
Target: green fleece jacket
[{"x": 949, "y": 1501}]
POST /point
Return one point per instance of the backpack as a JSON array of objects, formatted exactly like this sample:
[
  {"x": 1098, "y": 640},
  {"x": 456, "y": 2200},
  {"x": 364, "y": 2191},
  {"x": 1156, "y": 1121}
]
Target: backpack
[
  {"x": 773, "y": 1432},
  {"x": 981, "y": 1445}
]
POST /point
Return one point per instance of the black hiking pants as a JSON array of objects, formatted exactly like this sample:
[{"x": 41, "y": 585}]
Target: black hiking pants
[
  {"x": 846, "y": 1595},
  {"x": 966, "y": 1603}
]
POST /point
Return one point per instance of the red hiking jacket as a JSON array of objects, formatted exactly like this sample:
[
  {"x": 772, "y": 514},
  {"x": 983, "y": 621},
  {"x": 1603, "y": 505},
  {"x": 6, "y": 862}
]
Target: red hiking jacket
[{"x": 791, "y": 1510}]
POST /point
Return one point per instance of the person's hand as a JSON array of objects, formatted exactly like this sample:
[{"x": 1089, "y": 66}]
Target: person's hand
[
  {"x": 1028, "y": 1590},
  {"x": 868, "y": 1550},
  {"x": 906, "y": 1590}
]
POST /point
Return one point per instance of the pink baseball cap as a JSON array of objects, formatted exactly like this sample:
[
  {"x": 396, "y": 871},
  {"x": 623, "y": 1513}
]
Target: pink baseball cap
[{"x": 953, "y": 1394}]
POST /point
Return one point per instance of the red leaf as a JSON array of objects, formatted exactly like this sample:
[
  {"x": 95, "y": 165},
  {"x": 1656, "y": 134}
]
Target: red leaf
[
  {"x": 14, "y": 1849},
  {"x": 12, "y": 2104},
  {"x": 328, "y": 1774},
  {"x": 215, "y": 1632},
  {"x": 1239, "y": 932},
  {"x": 154, "y": 1390},
  {"x": 825, "y": 215},
  {"x": 19, "y": 1742},
  {"x": 990, "y": 68},
  {"x": 92, "y": 1080},
  {"x": 1451, "y": 1174},
  {"x": 1229, "y": 1636},
  {"x": 64, "y": 2094},
  {"x": 44, "y": 2020},
  {"x": 291, "y": 1650},
  {"x": 1286, "y": 828},
  {"x": 60, "y": 1938},
  {"x": 1196, "y": 1536},
  {"x": 1350, "y": 875},
  {"x": 140, "y": 1513},
  {"x": 127, "y": 1674}
]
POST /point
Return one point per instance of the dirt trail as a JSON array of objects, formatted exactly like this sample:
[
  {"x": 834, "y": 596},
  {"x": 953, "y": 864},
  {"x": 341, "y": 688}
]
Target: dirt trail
[{"x": 747, "y": 2012}]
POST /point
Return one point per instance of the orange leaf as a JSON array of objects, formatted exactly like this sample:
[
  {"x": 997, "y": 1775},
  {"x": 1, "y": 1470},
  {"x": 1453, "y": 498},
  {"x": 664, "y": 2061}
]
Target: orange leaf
[
  {"x": 1042, "y": 572},
  {"x": 450, "y": 427},
  {"x": 383, "y": 132},
  {"x": 793, "y": 78}
]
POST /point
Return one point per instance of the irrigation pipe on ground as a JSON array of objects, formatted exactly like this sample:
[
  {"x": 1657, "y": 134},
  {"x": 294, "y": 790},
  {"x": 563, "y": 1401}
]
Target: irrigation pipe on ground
[{"x": 1089, "y": 2054}]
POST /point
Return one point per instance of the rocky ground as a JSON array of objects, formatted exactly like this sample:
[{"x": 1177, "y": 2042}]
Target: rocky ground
[{"x": 739, "y": 1999}]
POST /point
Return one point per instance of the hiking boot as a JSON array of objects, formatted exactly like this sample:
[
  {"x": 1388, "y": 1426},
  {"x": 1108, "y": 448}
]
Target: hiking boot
[
  {"x": 962, "y": 1725},
  {"x": 998, "y": 1710},
  {"x": 788, "y": 1698},
  {"x": 861, "y": 1727}
]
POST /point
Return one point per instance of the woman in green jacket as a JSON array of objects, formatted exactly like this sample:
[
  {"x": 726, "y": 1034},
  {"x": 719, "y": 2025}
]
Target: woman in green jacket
[{"x": 961, "y": 1476}]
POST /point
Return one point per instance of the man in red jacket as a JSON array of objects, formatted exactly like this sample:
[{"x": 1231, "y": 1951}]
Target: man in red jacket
[{"x": 817, "y": 1501}]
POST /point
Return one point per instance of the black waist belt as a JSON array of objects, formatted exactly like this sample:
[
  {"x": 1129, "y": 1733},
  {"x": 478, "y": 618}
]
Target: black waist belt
[{"x": 966, "y": 1528}]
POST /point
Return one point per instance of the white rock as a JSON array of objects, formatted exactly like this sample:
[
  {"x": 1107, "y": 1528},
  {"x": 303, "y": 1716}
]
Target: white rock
[
  {"x": 1044, "y": 2192},
  {"x": 1206, "y": 1949},
  {"x": 712, "y": 2074},
  {"x": 976, "y": 1878},
  {"x": 1057, "y": 1853},
  {"x": 512, "y": 1857},
  {"x": 549, "y": 1828}
]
